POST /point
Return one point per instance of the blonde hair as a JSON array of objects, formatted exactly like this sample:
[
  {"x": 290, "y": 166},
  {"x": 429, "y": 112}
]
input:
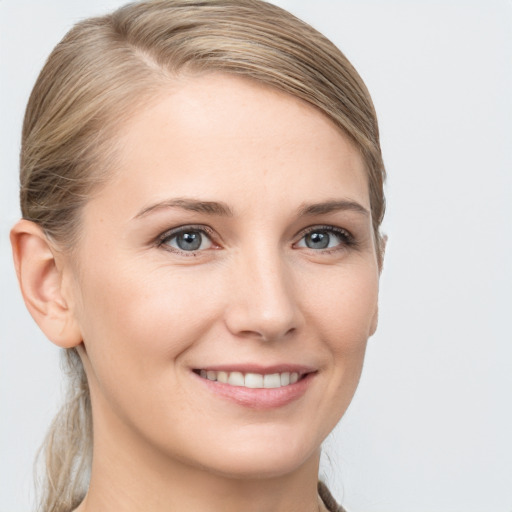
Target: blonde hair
[{"x": 105, "y": 69}]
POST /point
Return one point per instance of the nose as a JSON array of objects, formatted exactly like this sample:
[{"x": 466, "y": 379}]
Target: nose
[{"x": 263, "y": 301}]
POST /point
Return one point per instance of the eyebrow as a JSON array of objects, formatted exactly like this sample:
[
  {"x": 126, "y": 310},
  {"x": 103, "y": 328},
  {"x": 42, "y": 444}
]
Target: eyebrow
[
  {"x": 223, "y": 210},
  {"x": 192, "y": 205},
  {"x": 332, "y": 206}
]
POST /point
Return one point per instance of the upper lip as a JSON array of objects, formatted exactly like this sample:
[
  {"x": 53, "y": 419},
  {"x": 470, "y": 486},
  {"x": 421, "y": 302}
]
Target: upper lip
[{"x": 260, "y": 369}]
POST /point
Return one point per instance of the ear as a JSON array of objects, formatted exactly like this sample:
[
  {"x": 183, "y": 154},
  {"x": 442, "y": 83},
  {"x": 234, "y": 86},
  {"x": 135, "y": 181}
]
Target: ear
[{"x": 42, "y": 284}]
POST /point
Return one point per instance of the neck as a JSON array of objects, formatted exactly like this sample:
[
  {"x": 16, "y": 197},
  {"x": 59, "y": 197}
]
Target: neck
[{"x": 139, "y": 488}]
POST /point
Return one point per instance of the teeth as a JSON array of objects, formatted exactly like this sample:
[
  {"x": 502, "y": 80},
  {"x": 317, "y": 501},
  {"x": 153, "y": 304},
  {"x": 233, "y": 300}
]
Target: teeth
[
  {"x": 272, "y": 381},
  {"x": 252, "y": 380},
  {"x": 222, "y": 377},
  {"x": 236, "y": 379}
]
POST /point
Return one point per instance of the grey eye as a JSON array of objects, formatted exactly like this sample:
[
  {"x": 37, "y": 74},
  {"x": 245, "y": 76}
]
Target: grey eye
[
  {"x": 190, "y": 240},
  {"x": 323, "y": 238},
  {"x": 317, "y": 240}
]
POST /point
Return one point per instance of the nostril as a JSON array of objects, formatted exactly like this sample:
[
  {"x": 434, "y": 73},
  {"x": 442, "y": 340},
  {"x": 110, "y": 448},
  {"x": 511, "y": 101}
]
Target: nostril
[{"x": 267, "y": 335}]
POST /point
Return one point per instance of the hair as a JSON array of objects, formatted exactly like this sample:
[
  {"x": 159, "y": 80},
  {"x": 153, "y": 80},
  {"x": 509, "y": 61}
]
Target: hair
[{"x": 102, "y": 72}]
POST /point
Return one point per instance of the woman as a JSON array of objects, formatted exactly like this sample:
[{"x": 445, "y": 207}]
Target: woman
[{"x": 201, "y": 188}]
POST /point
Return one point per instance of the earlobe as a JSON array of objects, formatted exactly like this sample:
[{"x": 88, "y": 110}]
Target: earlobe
[{"x": 41, "y": 283}]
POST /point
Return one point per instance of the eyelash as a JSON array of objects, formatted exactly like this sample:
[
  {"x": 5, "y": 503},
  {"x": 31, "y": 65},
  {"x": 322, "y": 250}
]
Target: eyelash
[{"x": 347, "y": 240}]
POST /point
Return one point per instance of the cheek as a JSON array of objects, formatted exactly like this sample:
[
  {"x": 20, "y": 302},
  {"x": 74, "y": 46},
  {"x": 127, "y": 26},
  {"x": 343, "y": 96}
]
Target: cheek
[
  {"x": 345, "y": 305},
  {"x": 344, "y": 302},
  {"x": 136, "y": 327},
  {"x": 132, "y": 319}
]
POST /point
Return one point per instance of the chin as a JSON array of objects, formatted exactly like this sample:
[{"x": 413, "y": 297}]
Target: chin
[{"x": 262, "y": 459}]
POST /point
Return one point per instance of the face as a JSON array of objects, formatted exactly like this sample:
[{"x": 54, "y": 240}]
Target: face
[{"x": 226, "y": 280}]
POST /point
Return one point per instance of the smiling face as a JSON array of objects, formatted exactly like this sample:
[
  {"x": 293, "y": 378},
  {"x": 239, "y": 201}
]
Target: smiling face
[{"x": 226, "y": 281}]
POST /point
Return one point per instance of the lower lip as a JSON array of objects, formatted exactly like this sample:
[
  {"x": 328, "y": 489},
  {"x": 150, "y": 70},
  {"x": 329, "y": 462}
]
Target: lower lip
[{"x": 259, "y": 398}]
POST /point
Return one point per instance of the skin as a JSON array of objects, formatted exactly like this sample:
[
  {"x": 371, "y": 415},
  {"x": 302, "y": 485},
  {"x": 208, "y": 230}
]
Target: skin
[{"x": 144, "y": 314}]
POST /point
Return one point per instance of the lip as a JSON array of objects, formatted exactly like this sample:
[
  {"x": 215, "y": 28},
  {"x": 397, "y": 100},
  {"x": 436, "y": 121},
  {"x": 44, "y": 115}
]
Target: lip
[
  {"x": 263, "y": 369},
  {"x": 259, "y": 398}
]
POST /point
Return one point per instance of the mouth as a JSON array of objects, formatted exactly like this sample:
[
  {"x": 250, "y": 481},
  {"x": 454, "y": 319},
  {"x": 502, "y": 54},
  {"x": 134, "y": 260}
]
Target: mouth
[
  {"x": 253, "y": 380},
  {"x": 258, "y": 387}
]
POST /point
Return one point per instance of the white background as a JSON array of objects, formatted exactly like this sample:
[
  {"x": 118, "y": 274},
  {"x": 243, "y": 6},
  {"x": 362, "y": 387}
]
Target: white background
[{"x": 430, "y": 428}]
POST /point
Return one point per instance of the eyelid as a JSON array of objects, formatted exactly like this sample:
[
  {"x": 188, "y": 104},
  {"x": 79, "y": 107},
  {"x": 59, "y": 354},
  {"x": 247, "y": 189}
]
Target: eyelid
[
  {"x": 348, "y": 238},
  {"x": 324, "y": 227}
]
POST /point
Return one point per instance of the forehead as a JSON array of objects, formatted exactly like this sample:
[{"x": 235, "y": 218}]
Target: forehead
[{"x": 232, "y": 138}]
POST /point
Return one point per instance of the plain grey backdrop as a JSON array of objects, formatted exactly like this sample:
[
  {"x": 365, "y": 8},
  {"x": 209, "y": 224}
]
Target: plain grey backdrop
[{"x": 430, "y": 428}]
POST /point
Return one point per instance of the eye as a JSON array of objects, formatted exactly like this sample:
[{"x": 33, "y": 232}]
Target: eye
[
  {"x": 187, "y": 239},
  {"x": 325, "y": 237}
]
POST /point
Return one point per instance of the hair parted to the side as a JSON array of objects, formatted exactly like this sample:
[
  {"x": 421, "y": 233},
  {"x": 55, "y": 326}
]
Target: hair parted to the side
[{"x": 101, "y": 73}]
